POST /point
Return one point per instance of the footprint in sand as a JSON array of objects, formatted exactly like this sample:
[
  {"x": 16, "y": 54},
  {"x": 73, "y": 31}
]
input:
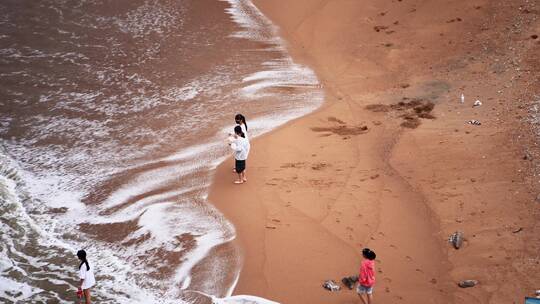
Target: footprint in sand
[
  {"x": 381, "y": 234},
  {"x": 393, "y": 246},
  {"x": 419, "y": 270},
  {"x": 408, "y": 258},
  {"x": 387, "y": 280},
  {"x": 387, "y": 289}
]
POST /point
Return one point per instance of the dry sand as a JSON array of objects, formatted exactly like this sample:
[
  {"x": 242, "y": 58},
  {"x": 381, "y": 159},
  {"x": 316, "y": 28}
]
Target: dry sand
[{"x": 322, "y": 187}]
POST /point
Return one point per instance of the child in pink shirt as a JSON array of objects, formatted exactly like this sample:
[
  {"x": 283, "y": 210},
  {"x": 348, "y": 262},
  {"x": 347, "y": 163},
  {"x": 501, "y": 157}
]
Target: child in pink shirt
[{"x": 366, "y": 279}]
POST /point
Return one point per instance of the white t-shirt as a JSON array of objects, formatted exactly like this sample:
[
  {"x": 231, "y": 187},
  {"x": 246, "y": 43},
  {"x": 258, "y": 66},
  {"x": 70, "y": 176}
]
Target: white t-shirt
[
  {"x": 87, "y": 276},
  {"x": 241, "y": 148}
]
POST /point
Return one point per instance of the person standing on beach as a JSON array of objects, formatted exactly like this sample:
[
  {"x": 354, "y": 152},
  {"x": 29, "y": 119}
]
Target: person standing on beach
[
  {"x": 241, "y": 121},
  {"x": 366, "y": 279},
  {"x": 86, "y": 276},
  {"x": 241, "y": 147}
]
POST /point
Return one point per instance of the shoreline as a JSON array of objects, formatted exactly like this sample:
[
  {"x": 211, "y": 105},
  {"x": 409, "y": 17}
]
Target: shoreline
[{"x": 320, "y": 188}]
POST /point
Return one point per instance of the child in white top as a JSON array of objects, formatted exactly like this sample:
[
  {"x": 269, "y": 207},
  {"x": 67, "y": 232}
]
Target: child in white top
[
  {"x": 86, "y": 276},
  {"x": 240, "y": 120},
  {"x": 241, "y": 148}
]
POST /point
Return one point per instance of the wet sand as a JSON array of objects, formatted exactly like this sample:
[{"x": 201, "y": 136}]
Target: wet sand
[{"x": 323, "y": 186}]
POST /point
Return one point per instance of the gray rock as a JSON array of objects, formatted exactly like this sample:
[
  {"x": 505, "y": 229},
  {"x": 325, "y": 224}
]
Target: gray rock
[
  {"x": 350, "y": 281},
  {"x": 467, "y": 283},
  {"x": 331, "y": 285},
  {"x": 456, "y": 239}
]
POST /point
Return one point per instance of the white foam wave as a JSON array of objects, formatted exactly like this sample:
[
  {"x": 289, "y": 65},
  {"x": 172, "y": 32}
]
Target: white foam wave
[
  {"x": 15, "y": 291},
  {"x": 242, "y": 299},
  {"x": 238, "y": 299},
  {"x": 164, "y": 216},
  {"x": 149, "y": 18},
  {"x": 254, "y": 24}
]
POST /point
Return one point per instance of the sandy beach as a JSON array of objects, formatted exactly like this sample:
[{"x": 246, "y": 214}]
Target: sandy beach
[{"x": 390, "y": 161}]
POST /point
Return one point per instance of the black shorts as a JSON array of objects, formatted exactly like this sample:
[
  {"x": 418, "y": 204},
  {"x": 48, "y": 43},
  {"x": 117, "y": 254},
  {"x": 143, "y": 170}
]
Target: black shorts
[{"x": 239, "y": 165}]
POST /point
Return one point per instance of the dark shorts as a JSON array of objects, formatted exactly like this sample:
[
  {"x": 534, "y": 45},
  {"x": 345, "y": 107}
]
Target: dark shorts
[{"x": 239, "y": 165}]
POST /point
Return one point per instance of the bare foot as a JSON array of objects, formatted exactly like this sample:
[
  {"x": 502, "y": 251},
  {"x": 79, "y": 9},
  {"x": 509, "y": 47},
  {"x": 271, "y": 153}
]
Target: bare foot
[
  {"x": 238, "y": 182},
  {"x": 245, "y": 180}
]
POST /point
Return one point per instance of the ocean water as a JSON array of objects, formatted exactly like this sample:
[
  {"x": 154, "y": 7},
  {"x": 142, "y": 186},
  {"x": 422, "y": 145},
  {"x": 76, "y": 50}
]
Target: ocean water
[{"x": 113, "y": 119}]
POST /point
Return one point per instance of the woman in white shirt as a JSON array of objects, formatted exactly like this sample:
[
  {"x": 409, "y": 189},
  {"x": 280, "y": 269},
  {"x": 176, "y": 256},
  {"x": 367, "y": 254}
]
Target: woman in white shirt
[
  {"x": 241, "y": 147},
  {"x": 86, "y": 276},
  {"x": 241, "y": 121}
]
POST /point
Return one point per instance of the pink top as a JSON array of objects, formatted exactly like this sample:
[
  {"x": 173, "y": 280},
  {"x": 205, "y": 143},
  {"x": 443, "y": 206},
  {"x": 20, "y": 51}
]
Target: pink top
[{"x": 367, "y": 273}]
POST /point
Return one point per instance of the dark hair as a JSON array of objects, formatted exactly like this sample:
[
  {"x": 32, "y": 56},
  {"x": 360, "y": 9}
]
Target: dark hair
[
  {"x": 368, "y": 254},
  {"x": 81, "y": 254},
  {"x": 241, "y": 119},
  {"x": 238, "y": 130}
]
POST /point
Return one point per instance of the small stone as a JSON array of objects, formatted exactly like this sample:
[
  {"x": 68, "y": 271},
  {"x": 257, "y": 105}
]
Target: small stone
[
  {"x": 467, "y": 283},
  {"x": 518, "y": 230},
  {"x": 456, "y": 239}
]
